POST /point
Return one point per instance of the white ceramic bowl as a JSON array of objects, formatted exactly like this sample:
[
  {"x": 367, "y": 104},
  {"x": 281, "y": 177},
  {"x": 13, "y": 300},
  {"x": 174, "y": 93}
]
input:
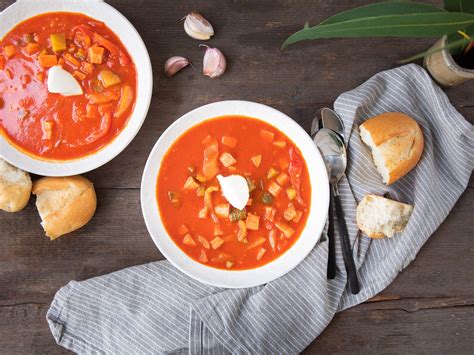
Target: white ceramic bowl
[
  {"x": 97, "y": 9},
  {"x": 278, "y": 267}
]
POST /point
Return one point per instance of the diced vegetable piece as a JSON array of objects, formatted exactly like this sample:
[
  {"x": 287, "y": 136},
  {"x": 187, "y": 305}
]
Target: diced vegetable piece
[
  {"x": 191, "y": 169},
  {"x": 82, "y": 40},
  {"x": 237, "y": 215},
  {"x": 256, "y": 160},
  {"x": 191, "y": 184},
  {"x": 257, "y": 242},
  {"x": 250, "y": 184},
  {"x": 47, "y": 129},
  {"x": 270, "y": 213},
  {"x": 274, "y": 188},
  {"x": 282, "y": 179},
  {"x": 280, "y": 144},
  {"x": 182, "y": 230},
  {"x": 222, "y": 210},
  {"x": 58, "y": 42},
  {"x": 210, "y": 167},
  {"x": 229, "y": 264},
  {"x": 216, "y": 242},
  {"x": 291, "y": 192},
  {"x": 39, "y": 76},
  {"x": 87, "y": 68},
  {"x": 188, "y": 240},
  {"x": 79, "y": 75},
  {"x": 71, "y": 60},
  {"x": 295, "y": 170},
  {"x": 267, "y": 198},
  {"x": 81, "y": 54},
  {"x": 109, "y": 78},
  {"x": 203, "y": 256},
  {"x": 242, "y": 233},
  {"x": 221, "y": 257},
  {"x": 61, "y": 62},
  {"x": 201, "y": 191},
  {"x": 48, "y": 60},
  {"x": 249, "y": 202},
  {"x": 31, "y": 48},
  {"x": 272, "y": 173},
  {"x": 9, "y": 50},
  {"x": 285, "y": 229},
  {"x": 261, "y": 252},
  {"x": 208, "y": 201},
  {"x": 299, "y": 214},
  {"x": 231, "y": 142},
  {"x": 227, "y": 159},
  {"x": 126, "y": 100},
  {"x": 2, "y": 63},
  {"x": 272, "y": 239},
  {"x": 102, "y": 97},
  {"x": 111, "y": 47},
  {"x": 218, "y": 230},
  {"x": 96, "y": 55},
  {"x": 289, "y": 213},
  {"x": 203, "y": 213},
  {"x": 91, "y": 111},
  {"x": 203, "y": 241},
  {"x": 252, "y": 221},
  {"x": 267, "y": 135},
  {"x": 201, "y": 178},
  {"x": 174, "y": 198},
  {"x": 28, "y": 38}
]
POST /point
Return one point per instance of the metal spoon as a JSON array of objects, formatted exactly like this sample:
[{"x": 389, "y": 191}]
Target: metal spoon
[
  {"x": 327, "y": 118},
  {"x": 333, "y": 150}
]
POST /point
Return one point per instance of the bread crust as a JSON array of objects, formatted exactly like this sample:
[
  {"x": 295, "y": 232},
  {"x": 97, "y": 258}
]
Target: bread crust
[
  {"x": 390, "y": 125},
  {"x": 75, "y": 213},
  {"x": 14, "y": 195}
]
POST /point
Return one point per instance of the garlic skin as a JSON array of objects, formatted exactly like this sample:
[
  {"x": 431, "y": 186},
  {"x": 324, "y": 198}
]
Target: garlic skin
[
  {"x": 197, "y": 27},
  {"x": 214, "y": 62},
  {"x": 175, "y": 64}
]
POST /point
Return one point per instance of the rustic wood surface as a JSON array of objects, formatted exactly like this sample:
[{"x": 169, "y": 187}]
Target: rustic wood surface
[{"x": 428, "y": 308}]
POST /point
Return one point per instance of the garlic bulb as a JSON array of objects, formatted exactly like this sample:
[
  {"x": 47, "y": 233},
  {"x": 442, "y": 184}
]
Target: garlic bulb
[
  {"x": 197, "y": 27},
  {"x": 214, "y": 62},
  {"x": 175, "y": 64}
]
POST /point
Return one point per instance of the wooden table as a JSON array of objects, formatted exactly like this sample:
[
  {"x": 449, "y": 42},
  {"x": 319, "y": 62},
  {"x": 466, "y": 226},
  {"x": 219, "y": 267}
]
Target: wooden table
[{"x": 428, "y": 308}]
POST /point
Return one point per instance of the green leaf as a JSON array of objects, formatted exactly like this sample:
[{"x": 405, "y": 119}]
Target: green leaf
[
  {"x": 460, "y": 43},
  {"x": 380, "y": 9},
  {"x": 433, "y": 24},
  {"x": 459, "y": 6}
]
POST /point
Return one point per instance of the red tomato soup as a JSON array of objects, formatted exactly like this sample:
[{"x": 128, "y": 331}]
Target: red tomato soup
[
  {"x": 52, "y": 126},
  {"x": 203, "y": 223}
]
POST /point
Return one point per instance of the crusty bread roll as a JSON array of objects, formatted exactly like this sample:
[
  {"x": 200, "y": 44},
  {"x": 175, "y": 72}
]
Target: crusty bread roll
[
  {"x": 15, "y": 187},
  {"x": 378, "y": 216},
  {"x": 396, "y": 142},
  {"x": 64, "y": 203}
]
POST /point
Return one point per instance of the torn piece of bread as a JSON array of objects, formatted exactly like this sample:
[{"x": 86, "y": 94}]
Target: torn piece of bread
[
  {"x": 396, "y": 142},
  {"x": 378, "y": 216},
  {"x": 64, "y": 203},
  {"x": 15, "y": 187}
]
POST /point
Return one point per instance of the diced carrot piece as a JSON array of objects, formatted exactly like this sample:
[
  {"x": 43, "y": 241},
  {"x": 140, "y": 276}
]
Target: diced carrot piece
[
  {"x": 183, "y": 230},
  {"x": 216, "y": 242},
  {"x": 290, "y": 213},
  {"x": 291, "y": 192},
  {"x": 102, "y": 97},
  {"x": 210, "y": 167},
  {"x": 272, "y": 173},
  {"x": 261, "y": 252},
  {"x": 282, "y": 179},
  {"x": 61, "y": 62},
  {"x": 299, "y": 214},
  {"x": 2, "y": 63},
  {"x": 203, "y": 256},
  {"x": 285, "y": 229},
  {"x": 242, "y": 233},
  {"x": 91, "y": 111},
  {"x": 222, "y": 210},
  {"x": 58, "y": 42},
  {"x": 109, "y": 78},
  {"x": 87, "y": 68},
  {"x": 252, "y": 221},
  {"x": 188, "y": 240},
  {"x": 31, "y": 48},
  {"x": 267, "y": 135},
  {"x": 231, "y": 142},
  {"x": 227, "y": 159},
  {"x": 280, "y": 144},
  {"x": 71, "y": 60},
  {"x": 274, "y": 188},
  {"x": 218, "y": 230},
  {"x": 40, "y": 76},
  {"x": 79, "y": 75},
  {"x": 256, "y": 160},
  {"x": 190, "y": 184},
  {"x": 257, "y": 242},
  {"x": 48, "y": 60},
  {"x": 272, "y": 238},
  {"x": 126, "y": 100},
  {"x": 203, "y": 241},
  {"x": 96, "y": 54},
  {"x": 270, "y": 213},
  {"x": 9, "y": 50}
]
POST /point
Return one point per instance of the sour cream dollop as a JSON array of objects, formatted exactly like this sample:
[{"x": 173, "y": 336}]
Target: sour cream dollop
[
  {"x": 235, "y": 190},
  {"x": 62, "y": 82}
]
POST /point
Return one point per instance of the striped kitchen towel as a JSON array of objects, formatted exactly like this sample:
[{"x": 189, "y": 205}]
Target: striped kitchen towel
[{"x": 154, "y": 308}]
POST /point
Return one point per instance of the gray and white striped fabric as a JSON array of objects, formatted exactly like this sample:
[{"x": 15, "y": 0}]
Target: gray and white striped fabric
[{"x": 154, "y": 308}]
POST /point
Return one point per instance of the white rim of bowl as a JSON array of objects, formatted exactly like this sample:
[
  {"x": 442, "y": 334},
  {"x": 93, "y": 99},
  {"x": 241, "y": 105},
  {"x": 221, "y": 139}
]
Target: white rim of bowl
[
  {"x": 239, "y": 278},
  {"x": 119, "y": 24}
]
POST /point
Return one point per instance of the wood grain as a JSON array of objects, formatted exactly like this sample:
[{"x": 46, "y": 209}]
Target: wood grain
[{"x": 428, "y": 308}]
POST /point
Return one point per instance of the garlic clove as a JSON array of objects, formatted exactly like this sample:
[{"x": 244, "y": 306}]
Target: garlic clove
[
  {"x": 175, "y": 64},
  {"x": 214, "y": 63},
  {"x": 197, "y": 27}
]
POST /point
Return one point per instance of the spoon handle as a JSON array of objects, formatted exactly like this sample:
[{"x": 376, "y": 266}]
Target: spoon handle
[
  {"x": 331, "y": 273},
  {"x": 346, "y": 247}
]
